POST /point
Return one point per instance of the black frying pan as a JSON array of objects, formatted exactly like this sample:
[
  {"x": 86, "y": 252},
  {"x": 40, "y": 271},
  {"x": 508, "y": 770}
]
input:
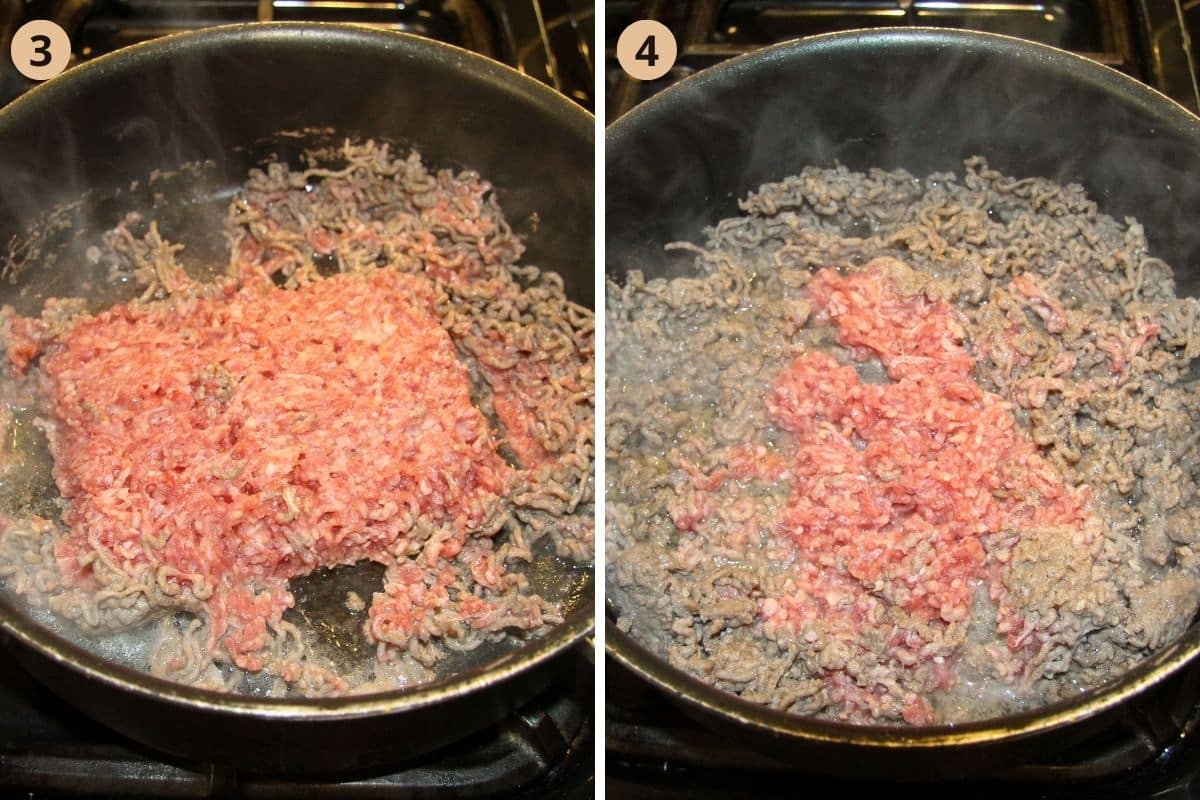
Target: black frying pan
[
  {"x": 922, "y": 100},
  {"x": 79, "y": 151}
]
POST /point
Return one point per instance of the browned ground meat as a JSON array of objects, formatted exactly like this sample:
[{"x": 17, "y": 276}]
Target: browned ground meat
[{"x": 1065, "y": 314}]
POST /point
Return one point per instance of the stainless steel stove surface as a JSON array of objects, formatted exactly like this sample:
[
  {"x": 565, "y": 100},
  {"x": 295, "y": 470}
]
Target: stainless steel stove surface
[{"x": 1148, "y": 39}]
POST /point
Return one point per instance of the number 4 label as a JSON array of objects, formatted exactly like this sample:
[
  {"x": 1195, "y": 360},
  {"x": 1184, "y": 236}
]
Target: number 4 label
[{"x": 646, "y": 50}]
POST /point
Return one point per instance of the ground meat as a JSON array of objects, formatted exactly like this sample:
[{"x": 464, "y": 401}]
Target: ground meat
[
  {"x": 428, "y": 408},
  {"x": 233, "y": 442},
  {"x": 895, "y": 485},
  {"x": 953, "y": 478}
]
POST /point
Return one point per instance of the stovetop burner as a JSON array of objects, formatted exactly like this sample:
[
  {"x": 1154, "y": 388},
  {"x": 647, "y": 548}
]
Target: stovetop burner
[
  {"x": 1148, "y": 39},
  {"x": 544, "y": 750}
]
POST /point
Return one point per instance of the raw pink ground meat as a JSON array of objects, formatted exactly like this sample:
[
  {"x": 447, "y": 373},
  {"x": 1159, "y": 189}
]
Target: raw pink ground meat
[
  {"x": 897, "y": 485},
  {"x": 25, "y": 337},
  {"x": 264, "y": 433}
]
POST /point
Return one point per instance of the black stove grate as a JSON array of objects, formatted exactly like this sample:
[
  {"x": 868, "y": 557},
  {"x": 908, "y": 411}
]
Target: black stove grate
[
  {"x": 550, "y": 40},
  {"x": 48, "y": 749},
  {"x": 1167, "y": 31},
  {"x": 1143, "y": 38},
  {"x": 655, "y": 750}
]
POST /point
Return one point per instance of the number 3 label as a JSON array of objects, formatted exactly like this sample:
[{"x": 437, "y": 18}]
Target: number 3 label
[
  {"x": 40, "y": 49},
  {"x": 646, "y": 50}
]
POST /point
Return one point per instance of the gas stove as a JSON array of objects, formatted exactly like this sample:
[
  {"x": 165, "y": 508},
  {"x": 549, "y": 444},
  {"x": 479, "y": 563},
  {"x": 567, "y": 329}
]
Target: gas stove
[
  {"x": 1148, "y": 39},
  {"x": 545, "y": 748},
  {"x": 550, "y": 40},
  {"x": 48, "y": 749},
  {"x": 653, "y": 749}
]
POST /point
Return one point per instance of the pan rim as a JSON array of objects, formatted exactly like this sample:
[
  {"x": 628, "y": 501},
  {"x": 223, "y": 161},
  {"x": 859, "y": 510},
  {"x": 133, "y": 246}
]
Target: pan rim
[
  {"x": 578, "y": 623},
  {"x": 697, "y": 695},
  {"x": 1126, "y": 85},
  {"x": 499, "y": 74}
]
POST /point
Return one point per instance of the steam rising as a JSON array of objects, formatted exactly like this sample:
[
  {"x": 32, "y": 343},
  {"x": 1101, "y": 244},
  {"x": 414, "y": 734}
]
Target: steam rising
[{"x": 914, "y": 99}]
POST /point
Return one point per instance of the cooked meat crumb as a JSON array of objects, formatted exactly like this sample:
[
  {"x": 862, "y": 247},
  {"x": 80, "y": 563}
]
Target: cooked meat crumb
[
  {"x": 905, "y": 450},
  {"x": 355, "y": 603}
]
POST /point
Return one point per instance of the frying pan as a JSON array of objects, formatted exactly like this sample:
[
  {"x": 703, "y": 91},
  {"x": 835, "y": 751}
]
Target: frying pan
[
  {"x": 922, "y": 100},
  {"x": 170, "y": 128}
]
